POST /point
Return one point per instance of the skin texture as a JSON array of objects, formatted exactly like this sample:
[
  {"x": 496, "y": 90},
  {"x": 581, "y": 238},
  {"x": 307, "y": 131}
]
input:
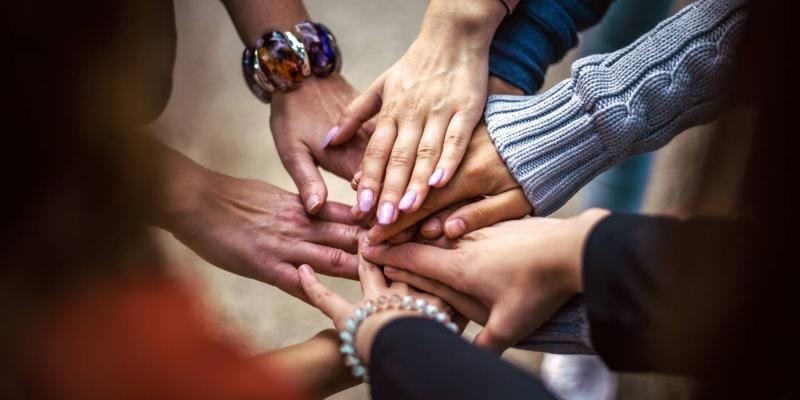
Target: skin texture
[
  {"x": 482, "y": 173},
  {"x": 373, "y": 285},
  {"x": 252, "y": 228},
  {"x": 427, "y": 105},
  {"x": 535, "y": 266},
  {"x": 300, "y": 119}
]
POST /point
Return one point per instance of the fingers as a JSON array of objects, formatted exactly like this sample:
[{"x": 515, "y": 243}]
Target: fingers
[
  {"x": 336, "y": 212},
  {"x": 374, "y": 163},
  {"x": 340, "y": 236},
  {"x": 422, "y": 259},
  {"x": 360, "y": 110},
  {"x": 331, "y": 304},
  {"x": 372, "y": 279},
  {"x": 504, "y": 328},
  {"x": 285, "y": 277},
  {"x": 398, "y": 170},
  {"x": 455, "y": 145},
  {"x": 468, "y": 306},
  {"x": 306, "y": 177},
  {"x": 437, "y": 200},
  {"x": 428, "y": 152},
  {"x": 489, "y": 211},
  {"x": 328, "y": 260},
  {"x": 433, "y": 227}
]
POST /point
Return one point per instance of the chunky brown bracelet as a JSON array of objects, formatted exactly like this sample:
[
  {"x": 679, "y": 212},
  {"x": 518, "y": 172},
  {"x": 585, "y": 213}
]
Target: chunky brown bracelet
[{"x": 281, "y": 60}]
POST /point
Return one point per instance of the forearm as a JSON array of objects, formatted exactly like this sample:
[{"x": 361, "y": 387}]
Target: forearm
[
  {"x": 665, "y": 295},
  {"x": 315, "y": 365},
  {"x": 538, "y": 34},
  {"x": 617, "y": 105},
  {"x": 419, "y": 358},
  {"x": 253, "y": 18}
]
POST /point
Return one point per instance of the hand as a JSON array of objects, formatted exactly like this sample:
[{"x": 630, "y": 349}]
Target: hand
[
  {"x": 523, "y": 271},
  {"x": 299, "y": 121},
  {"x": 254, "y": 229},
  {"x": 483, "y": 173},
  {"x": 373, "y": 285},
  {"x": 428, "y": 104}
]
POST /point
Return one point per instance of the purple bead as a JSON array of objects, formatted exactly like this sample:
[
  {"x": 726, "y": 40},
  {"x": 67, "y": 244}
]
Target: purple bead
[
  {"x": 254, "y": 78},
  {"x": 320, "y": 46}
]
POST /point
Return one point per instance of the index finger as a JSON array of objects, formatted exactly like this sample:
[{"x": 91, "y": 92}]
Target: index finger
[{"x": 426, "y": 260}]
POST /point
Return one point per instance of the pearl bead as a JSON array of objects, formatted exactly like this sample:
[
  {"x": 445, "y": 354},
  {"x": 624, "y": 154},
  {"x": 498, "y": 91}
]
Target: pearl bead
[
  {"x": 350, "y": 325},
  {"x": 359, "y": 314},
  {"x": 359, "y": 371},
  {"x": 431, "y": 310},
  {"x": 441, "y": 317},
  {"x": 346, "y": 337},
  {"x": 347, "y": 349},
  {"x": 408, "y": 302},
  {"x": 369, "y": 307},
  {"x": 452, "y": 326},
  {"x": 350, "y": 361},
  {"x": 419, "y": 305}
]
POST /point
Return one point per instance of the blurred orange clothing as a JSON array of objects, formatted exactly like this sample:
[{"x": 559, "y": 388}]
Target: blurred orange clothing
[{"x": 140, "y": 339}]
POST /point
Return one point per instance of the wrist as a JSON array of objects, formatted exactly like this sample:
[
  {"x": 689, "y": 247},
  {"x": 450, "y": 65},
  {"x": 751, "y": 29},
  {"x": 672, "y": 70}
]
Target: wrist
[
  {"x": 184, "y": 182},
  {"x": 499, "y": 85},
  {"x": 469, "y": 22}
]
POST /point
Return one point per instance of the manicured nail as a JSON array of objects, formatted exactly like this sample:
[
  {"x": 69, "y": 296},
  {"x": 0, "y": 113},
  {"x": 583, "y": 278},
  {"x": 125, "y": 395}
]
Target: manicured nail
[
  {"x": 389, "y": 270},
  {"x": 386, "y": 213},
  {"x": 331, "y": 134},
  {"x": 408, "y": 200},
  {"x": 313, "y": 203},
  {"x": 306, "y": 270},
  {"x": 432, "y": 225},
  {"x": 365, "y": 200},
  {"x": 436, "y": 177},
  {"x": 455, "y": 227}
]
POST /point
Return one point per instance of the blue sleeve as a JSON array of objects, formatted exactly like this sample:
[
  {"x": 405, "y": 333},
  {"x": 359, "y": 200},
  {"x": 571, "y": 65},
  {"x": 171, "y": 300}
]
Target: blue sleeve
[{"x": 537, "y": 34}]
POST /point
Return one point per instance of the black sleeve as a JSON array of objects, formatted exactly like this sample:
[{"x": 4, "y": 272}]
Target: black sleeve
[
  {"x": 417, "y": 358},
  {"x": 663, "y": 295}
]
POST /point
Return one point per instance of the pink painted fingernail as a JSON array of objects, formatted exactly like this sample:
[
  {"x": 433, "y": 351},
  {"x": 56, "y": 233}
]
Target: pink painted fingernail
[
  {"x": 386, "y": 213},
  {"x": 365, "y": 200},
  {"x": 436, "y": 177},
  {"x": 331, "y": 134},
  {"x": 408, "y": 200},
  {"x": 455, "y": 227}
]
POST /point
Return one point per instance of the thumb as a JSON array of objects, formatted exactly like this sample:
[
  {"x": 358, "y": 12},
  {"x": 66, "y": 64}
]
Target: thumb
[
  {"x": 504, "y": 328},
  {"x": 360, "y": 110},
  {"x": 307, "y": 178},
  {"x": 331, "y": 304},
  {"x": 489, "y": 211}
]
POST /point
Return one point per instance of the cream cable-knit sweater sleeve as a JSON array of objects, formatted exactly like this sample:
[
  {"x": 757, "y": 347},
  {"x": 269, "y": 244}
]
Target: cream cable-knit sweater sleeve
[{"x": 618, "y": 104}]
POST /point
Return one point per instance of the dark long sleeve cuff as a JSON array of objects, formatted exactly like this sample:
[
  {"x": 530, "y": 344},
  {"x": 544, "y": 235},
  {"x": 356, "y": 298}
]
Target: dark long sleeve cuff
[
  {"x": 417, "y": 358},
  {"x": 537, "y": 34}
]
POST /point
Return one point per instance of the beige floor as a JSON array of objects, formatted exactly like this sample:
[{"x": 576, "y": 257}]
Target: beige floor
[{"x": 213, "y": 118}]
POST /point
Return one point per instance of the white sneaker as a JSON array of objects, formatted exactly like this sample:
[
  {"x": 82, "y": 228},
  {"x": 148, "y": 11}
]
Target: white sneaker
[{"x": 578, "y": 377}]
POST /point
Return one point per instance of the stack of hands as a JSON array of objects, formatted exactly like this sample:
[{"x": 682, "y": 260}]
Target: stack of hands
[{"x": 431, "y": 191}]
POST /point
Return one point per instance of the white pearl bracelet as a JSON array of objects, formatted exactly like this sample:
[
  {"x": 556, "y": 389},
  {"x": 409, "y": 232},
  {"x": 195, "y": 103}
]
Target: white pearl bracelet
[{"x": 348, "y": 334}]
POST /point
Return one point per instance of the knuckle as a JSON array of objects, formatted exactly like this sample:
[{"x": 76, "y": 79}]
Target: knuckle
[
  {"x": 427, "y": 152},
  {"x": 374, "y": 151},
  {"x": 400, "y": 158},
  {"x": 337, "y": 257},
  {"x": 454, "y": 140},
  {"x": 322, "y": 297}
]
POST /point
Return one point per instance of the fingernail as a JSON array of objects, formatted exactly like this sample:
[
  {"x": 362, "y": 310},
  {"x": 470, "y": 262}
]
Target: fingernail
[
  {"x": 331, "y": 134},
  {"x": 313, "y": 203},
  {"x": 436, "y": 177},
  {"x": 386, "y": 213},
  {"x": 408, "y": 200},
  {"x": 432, "y": 224},
  {"x": 455, "y": 227},
  {"x": 365, "y": 200},
  {"x": 389, "y": 270},
  {"x": 372, "y": 235},
  {"x": 306, "y": 270}
]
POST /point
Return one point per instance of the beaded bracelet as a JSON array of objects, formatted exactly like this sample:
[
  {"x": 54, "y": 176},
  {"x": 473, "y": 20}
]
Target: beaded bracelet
[
  {"x": 281, "y": 60},
  {"x": 351, "y": 325}
]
